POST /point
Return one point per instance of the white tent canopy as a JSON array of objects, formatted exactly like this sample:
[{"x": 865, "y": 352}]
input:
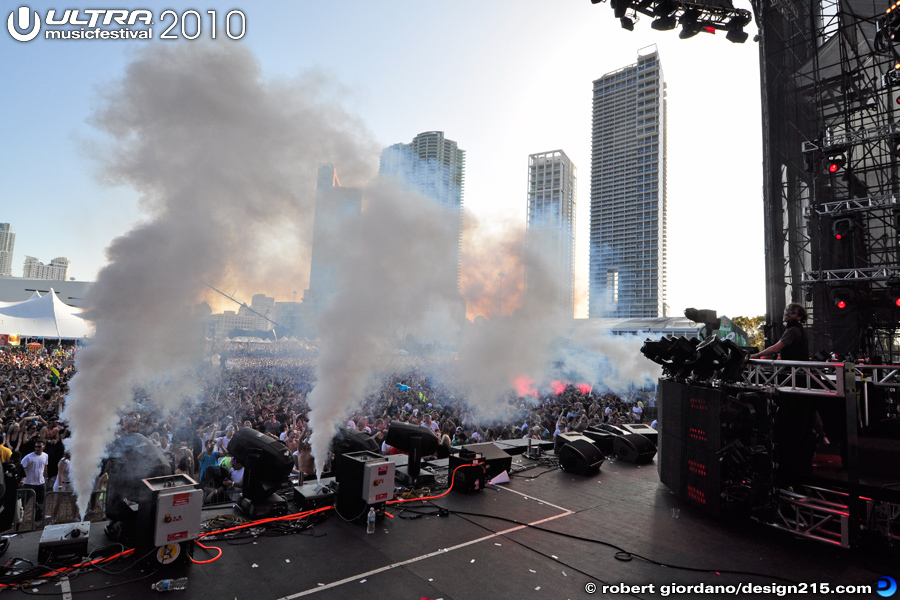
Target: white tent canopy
[{"x": 43, "y": 317}]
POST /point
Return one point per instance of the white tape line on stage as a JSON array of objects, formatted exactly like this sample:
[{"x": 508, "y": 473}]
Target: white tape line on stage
[
  {"x": 359, "y": 576},
  {"x": 530, "y": 497},
  {"x": 65, "y": 588}
]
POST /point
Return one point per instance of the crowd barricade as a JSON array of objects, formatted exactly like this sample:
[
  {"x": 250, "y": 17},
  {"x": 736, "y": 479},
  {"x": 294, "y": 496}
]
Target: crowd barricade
[
  {"x": 24, "y": 517},
  {"x": 59, "y": 507}
]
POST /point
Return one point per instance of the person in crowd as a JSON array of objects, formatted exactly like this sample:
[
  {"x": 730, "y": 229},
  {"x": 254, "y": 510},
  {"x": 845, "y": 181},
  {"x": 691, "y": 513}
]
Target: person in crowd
[{"x": 35, "y": 465}]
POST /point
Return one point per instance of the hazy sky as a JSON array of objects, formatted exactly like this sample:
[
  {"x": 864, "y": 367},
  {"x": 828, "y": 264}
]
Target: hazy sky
[{"x": 503, "y": 79}]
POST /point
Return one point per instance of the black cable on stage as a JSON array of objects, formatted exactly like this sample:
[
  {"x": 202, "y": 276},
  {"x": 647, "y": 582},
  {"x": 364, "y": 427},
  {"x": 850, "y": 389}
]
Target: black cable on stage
[
  {"x": 625, "y": 555},
  {"x": 535, "y": 550},
  {"x": 91, "y": 589},
  {"x": 551, "y": 470}
]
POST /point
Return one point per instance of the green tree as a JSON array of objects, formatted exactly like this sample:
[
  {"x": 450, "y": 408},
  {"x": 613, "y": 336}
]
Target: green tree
[{"x": 754, "y": 328}]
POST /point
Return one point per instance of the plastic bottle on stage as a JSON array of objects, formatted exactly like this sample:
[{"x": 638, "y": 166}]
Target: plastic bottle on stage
[
  {"x": 370, "y": 521},
  {"x": 170, "y": 585}
]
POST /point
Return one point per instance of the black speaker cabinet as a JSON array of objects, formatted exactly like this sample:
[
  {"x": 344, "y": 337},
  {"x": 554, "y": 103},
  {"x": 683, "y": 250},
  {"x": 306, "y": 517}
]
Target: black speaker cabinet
[
  {"x": 580, "y": 457},
  {"x": 634, "y": 448},
  {"x": 643, "y": 429},
  {"x": 564, "y": 438},
  {"x": 602, "y": 439}
]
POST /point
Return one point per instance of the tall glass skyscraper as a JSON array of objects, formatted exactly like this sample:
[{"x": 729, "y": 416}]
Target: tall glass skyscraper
[
  {"x": 7, "y": 244},
  {"x": 628, "y": 192},
  {"x": 551, "y": 225},
  {"x": 435, "y": 167}
]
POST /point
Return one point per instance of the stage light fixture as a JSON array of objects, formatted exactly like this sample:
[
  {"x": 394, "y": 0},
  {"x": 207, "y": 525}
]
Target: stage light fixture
[
  {"x": 843, "y": 298},
  {"x": 620, "y": 7},
  {"x": 689, "y": 25},
  {"x": 627, "y": 23},
  {"x": 893, "y": 291},
  {"x": 665, "y": 16},
  {"x": 736, "y": 33},
  {"x": 664, "y": 23},
  {"x": 842, "y": 228},
  {"x": 834, "y": 162}
]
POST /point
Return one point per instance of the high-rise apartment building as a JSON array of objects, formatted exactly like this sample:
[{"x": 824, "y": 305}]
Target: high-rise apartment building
[
  {"x": 628, "y": 192},
  {"x": 551, "y": 225},
  {"x": 435, "y": 167},
  {"x": 333, "y": 202},
  {"x": 7, "y": 243},
  {"x": 56, "y": 270}
]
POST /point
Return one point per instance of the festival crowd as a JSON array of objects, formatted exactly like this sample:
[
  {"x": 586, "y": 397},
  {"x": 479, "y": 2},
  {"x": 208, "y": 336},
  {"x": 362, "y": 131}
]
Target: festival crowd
[{"x": 265, "y": 387}]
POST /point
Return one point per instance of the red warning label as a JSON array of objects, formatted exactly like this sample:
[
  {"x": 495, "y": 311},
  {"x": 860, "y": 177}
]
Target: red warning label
[
  {"x": 181, "y": 499},
  {"x": 176, "y": 536}
]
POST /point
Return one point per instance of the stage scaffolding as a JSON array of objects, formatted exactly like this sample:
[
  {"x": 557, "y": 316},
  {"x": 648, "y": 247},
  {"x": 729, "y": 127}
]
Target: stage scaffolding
[{"x": 829, "y": 95}]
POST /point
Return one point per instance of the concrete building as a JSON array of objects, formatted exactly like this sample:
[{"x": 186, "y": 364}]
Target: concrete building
[
  {"x": 435, "y": 167},
  {"x": 57, "y": 270},
  {"x": 7, "y": 243},
  {"x": 333, "y": 202},
  {"x": 550, "y": 229},
  {"x": 628, "y": 192}
]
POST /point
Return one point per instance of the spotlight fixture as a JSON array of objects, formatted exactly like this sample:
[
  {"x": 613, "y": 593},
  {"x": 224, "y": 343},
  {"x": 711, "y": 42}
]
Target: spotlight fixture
[
  {"x": 834, "y": 162},
  {"x": 842, "y": 228},
  {"x": 627, "y": 23},
  {"x": 689, "y": 25},
  {"x": 665, "y": 19},
  {"x": 735, "y": 27},
  {"x": 664, "y": 23},
  {"x": 620, "y": 7},
  {"x": 843, "y": 298}
]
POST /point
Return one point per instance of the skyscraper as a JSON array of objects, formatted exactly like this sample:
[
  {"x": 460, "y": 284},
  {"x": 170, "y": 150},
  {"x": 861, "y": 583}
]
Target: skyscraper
[
  {"x": 332, "y": 203},
  {"x": 551, "y": 223},
  {"x": 7, "y": 243},
  {"x": 435, "y": 167},
  {"x": 628, "y": 192}
]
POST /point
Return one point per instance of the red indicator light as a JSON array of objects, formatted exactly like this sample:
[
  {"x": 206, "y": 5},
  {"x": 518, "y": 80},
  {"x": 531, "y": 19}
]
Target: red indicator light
[{"x": 841, "y": 304}]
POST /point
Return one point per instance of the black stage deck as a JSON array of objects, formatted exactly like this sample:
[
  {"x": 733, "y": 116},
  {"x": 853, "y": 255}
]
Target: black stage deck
[{"x": 470, "y": 555}]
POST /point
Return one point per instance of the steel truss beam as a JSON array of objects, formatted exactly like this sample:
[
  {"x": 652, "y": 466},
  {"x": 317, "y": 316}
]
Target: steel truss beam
[{"x": 851, "y": 205}]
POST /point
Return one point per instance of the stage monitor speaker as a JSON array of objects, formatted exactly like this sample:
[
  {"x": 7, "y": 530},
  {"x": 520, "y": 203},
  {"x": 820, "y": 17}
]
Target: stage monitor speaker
[
  {"x": 643, "y": 429},
  {"x": 613, "y": 429},
  {"x": 580, "y": 457},
  {"x": 634, "y": 448},
  {"x": 602, "y": 439},
  {"x": 564, "y": 438}
]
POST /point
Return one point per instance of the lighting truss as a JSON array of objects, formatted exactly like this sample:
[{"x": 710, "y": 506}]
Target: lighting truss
[{"x": 708, "y": 17}]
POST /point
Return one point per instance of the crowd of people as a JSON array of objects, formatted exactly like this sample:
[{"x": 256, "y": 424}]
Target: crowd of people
[{"x": 265, "y": 387}]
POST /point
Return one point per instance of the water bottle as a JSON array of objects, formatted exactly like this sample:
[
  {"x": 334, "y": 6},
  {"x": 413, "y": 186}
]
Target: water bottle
[
  {"x": 370, "y": 521},
  {"x": 170, "y": 585}
]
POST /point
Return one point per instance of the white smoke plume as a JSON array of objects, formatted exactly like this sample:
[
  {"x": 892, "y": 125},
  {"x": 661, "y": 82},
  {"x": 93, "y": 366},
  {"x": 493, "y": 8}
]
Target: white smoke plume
[
  {"x": 222, "y": 158},
  {"x": 392, "y": 268}
]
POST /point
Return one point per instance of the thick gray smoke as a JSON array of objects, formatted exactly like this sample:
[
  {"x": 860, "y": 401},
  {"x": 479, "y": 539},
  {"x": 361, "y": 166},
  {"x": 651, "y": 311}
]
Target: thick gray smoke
[
  {"x": 392, "y": 271},
  {"x": 221, "y": 158},
  {"x": 225, "y": 162}
]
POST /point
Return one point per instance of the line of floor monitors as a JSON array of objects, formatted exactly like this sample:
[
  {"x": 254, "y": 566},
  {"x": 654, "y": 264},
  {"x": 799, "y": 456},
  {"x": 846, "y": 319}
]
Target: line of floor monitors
[{"x": 583, "y": 453}]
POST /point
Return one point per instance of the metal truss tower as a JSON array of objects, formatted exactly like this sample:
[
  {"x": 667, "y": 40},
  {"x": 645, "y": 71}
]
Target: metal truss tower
[{"x": 830, "y": 81}]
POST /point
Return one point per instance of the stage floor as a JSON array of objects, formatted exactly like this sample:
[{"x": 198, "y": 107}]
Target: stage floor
[{"x": 546, "y": 534}]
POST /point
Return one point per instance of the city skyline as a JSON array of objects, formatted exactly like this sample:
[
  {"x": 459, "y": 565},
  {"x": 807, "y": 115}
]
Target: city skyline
[{"x": 497, "y": 99}]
